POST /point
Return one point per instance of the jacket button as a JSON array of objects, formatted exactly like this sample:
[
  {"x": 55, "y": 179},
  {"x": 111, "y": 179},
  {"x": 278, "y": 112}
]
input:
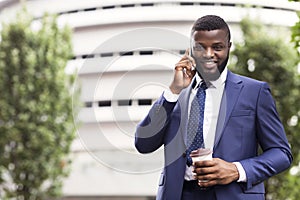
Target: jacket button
[{"x": 184, "y": 155}]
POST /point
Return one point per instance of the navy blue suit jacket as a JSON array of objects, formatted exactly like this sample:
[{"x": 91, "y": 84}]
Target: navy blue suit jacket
[{"x": 247, "y": 119}]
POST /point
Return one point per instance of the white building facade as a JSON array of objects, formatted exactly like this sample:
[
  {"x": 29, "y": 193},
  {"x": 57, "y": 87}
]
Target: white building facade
[{"x": 124, "y": 55}]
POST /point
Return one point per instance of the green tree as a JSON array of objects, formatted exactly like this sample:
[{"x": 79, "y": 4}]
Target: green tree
[
  {"x": 36, "y": 115},
  {"x": 274, "y": 60},
  {"x": 296, "y": 31}
]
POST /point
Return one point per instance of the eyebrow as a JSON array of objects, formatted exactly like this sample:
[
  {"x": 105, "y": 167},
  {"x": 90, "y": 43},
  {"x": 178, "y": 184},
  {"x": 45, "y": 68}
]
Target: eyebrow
[{"x": 216, "y": 43}]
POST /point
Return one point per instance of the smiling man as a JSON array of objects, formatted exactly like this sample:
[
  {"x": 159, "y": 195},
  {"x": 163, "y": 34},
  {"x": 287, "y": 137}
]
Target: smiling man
[{"x": 210, "y": 109}]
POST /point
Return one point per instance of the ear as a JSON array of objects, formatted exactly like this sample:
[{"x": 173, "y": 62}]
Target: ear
[{"x": 229, "y": 44}]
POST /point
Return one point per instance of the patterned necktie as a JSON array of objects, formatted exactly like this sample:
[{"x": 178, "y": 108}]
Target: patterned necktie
[{"x": 195, "y": 125}]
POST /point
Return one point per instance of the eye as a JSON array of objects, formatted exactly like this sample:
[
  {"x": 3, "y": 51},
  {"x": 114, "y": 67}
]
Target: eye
[
  {"x": 198, "y": 47},
  {"x": 218, "y": 47}
]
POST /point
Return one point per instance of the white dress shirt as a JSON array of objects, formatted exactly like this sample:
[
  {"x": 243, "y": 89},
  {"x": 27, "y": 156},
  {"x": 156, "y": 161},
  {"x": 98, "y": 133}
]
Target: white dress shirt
[{"x": 213, "y": 99}]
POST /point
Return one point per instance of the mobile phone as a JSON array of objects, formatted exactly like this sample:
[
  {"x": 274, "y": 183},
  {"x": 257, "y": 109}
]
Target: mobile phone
[{"x": 191, "y": 54}]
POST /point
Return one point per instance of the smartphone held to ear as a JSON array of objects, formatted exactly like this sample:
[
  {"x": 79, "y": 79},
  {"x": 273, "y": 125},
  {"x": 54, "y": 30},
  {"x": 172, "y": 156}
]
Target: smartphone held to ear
[{"x": 191, "y": 55}]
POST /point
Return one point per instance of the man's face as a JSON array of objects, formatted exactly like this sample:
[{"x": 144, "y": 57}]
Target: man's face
[{"x": 210, "y": 49}]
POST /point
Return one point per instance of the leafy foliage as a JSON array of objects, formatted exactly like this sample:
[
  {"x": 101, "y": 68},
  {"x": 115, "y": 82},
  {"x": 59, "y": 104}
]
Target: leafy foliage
[
  {"x": 36, "y": 116},
  {"x": 296, "y": 31},
  {"x": 274, "y": 60}
]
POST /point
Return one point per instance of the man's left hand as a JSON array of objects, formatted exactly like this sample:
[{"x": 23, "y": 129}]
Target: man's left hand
[{"x": 215, "y": 172}]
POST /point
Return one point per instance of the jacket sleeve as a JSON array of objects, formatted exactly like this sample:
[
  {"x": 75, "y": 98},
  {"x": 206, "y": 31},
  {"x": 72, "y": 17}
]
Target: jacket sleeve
[
  {"x": 149, "y": 135},
  {"x": 276, "y": 156}
]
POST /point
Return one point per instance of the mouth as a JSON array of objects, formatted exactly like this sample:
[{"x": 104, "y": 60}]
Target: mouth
[{"x": 210, "y": 64}]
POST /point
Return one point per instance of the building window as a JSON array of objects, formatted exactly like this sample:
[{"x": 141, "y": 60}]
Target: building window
[
  {"x": 128, "y": 53},
  {"x": 106, "y": 54},
  {"x": 144, "y": 102},
  {"x": 127, "y": 5},
  {"x": 146, "y": 52},
  {"x": 126, "y": 102},
  {"x": 104, "y": 103},
  {"x": 88, "y": 104},
  {"x": 108, "y": 7},
  {"x": 89, "y": 9},
  {"x": 147, "y": 4},
  {"x": 186, "y": 3}
]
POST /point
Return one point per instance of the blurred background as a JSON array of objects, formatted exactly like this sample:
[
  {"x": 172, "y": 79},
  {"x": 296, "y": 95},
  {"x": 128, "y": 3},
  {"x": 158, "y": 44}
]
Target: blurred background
[{"x": 121, "y": 55}]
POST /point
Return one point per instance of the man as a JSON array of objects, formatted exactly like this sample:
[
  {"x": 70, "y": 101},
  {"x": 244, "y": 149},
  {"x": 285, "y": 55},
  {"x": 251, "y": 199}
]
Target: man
[{"x": 235, "y": 115}]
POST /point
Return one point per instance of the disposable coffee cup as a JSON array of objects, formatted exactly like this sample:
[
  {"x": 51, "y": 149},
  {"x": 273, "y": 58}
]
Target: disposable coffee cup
[{"x": 201, "y": 154}]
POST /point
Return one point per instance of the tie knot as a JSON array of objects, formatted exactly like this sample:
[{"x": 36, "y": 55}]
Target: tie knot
[{"x": 203, "y": 85}]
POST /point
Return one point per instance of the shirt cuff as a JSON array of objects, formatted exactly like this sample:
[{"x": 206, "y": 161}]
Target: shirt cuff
[
  {"x": 170, "y": 97},
  {"x": 242, "y": 173}
]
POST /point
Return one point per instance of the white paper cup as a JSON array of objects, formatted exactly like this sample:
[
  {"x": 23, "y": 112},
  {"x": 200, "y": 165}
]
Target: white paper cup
[
  {"x": 202, "y": 157},
  {"x": 201, "y": 154}
]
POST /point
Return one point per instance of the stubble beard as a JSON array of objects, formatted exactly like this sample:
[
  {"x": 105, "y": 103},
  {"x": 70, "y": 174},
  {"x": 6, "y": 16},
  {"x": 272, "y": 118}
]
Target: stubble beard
[{"x": 208, "y": 76}]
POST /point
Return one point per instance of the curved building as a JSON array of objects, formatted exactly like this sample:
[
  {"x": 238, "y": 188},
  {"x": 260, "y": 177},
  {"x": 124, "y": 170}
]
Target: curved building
[{"x": 124, "y": 54}]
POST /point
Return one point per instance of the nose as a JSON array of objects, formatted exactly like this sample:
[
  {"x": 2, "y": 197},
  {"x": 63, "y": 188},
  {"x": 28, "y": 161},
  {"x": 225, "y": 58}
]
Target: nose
[{"x": 209, "y": 53}]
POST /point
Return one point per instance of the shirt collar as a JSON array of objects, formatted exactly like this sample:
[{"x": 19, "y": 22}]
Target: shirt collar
[{"x": 217, "y": 83}]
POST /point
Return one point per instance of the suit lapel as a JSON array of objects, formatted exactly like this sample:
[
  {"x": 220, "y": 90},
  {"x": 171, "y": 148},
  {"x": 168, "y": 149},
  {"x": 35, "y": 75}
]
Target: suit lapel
[
  {"x": 184, "y": 105},
  {"x": 231, "y": 93}
]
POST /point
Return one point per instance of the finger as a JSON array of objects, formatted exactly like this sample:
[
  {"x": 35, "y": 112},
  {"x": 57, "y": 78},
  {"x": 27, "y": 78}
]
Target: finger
[
  {"x": 182, "y": 69},
  {"x": 189, "y": 73},
  {"x": 185, "y": 62},
  {"x": 207, "y": 177},
  {"x": 204, "y": 163},
  {"x": 204, "y": 171},
  {"x": 190, "y": 70},
  {"x": 207, "y": 183},
  {"x": 187, "y": 52},
  {"x": 188, "y": 58},
  {"x": 185, "y": 55},
  {"x": 181, "y": 66},
  {"x": 186, "y": 66}
]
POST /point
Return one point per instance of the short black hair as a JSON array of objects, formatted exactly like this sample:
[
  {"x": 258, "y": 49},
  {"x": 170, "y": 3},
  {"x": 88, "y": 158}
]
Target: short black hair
[{"x": 210, "y": 23}]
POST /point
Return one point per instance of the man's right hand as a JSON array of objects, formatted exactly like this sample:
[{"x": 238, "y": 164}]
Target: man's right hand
[{"x": 185, "y": 70}]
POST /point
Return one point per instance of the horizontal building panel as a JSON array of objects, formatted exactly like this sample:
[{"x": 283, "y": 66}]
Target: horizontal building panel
[
  {"x": 113, "y": 114},
  {"x": 174, "y": 13},
  {"x": 159, "y": 62},
  {"x": 126, "y": 85},
  {"x": 70, "y": 6}
]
